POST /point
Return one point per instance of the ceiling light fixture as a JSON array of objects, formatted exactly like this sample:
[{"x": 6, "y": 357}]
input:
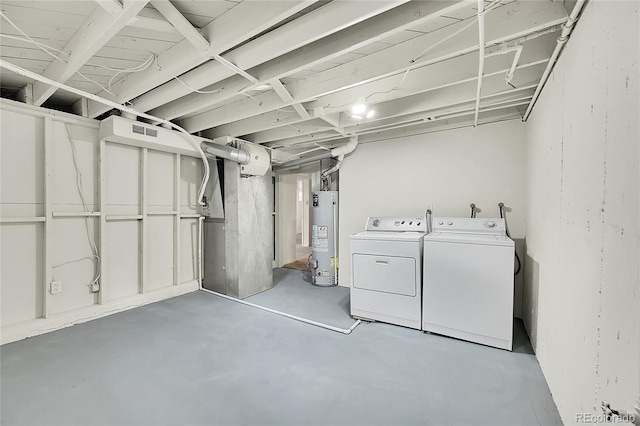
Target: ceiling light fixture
[
  {"x": 361, "y": 109},
  {"x": 262, "y": 87}
]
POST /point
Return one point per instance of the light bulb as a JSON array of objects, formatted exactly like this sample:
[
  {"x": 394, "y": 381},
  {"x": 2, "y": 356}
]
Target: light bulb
[
  {"x": 371, "y": 113},
  {"x": 360, "y": 107}
]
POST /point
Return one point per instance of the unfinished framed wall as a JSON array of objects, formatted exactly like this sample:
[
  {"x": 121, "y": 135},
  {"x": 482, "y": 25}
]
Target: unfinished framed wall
[{"x": 140, "y": 210}]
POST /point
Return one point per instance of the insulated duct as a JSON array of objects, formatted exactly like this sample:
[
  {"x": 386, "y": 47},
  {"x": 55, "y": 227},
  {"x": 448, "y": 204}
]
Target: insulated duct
[
  {"x": 254, "y": 159},
  {"x": 226, "y": 152}
]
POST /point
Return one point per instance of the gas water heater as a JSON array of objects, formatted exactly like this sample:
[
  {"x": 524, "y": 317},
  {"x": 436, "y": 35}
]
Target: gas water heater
[{"x": 324, "y": 238}]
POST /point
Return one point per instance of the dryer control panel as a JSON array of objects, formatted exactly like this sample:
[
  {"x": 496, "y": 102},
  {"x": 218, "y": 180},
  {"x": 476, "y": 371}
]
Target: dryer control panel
[
  {"x": 396, "y": 224},
  {"x": 476, "y": 225}
]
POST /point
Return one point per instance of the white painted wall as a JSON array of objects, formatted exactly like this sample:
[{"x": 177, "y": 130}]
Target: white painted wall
[
  {"x": 581, "y": 298},
  {"x": 126, "y": 282},
  {"x": 286, "y": 196},
  {"x": 443, "y": 171}
]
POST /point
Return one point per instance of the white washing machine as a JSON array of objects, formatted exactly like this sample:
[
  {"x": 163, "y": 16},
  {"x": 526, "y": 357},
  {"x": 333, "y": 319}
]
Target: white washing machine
[
  {"x": 386, "y": 270},
  {"x": 468, "y": 281}
]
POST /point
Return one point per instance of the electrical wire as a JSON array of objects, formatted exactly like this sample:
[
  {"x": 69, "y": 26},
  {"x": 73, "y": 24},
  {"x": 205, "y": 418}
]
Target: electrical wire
[
  {"x": 48, "y": 50},
  {"x": 30, "y": 74},
  {"x": 90, "y": 235},
  {"x": 455, "y": 33},
  {"x": 194, "y": 90},
  {"x": 506, "y": 228}
]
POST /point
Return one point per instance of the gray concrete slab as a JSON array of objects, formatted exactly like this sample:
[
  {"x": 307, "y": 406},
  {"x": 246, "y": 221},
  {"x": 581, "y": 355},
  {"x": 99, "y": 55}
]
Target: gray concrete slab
[
  {"x": 294, "y": 294},
  {"x": 200, "y": 359}
]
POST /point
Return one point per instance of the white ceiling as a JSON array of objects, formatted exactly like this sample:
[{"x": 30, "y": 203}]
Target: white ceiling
[{"x": 414, "y": 62}]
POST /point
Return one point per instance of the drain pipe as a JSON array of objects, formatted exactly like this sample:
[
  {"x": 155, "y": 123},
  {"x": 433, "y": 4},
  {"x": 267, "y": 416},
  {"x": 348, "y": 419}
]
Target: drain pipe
[
  {"x": 286, "y": 315},
  {"x": 343, "y": 150},
  {"x": 518, "y": 49},
  {"x": 562, "y": 40},
  {"x": 480, "y": 59}
]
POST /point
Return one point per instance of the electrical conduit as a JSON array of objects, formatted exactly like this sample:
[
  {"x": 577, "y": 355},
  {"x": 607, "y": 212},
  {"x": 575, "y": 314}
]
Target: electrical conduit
[{"x": 562, "y": 40}]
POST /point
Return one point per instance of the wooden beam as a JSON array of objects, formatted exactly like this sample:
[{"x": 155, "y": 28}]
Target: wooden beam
[
  {"x": 502, "y": 25},
  {"x": 419, "y": 80},
  {"x": 181, "y": 23},
  {"x": 291, "y": 38},
  {"x": 281, "y": 91},
  {"x": 112, "y": 7},
  {"x": 147, "y": 19},
  {"x": 435, "y": 104},
  {"x": 224, "y": 33},
  {"x": 360, "y": 34},
  {"x": 94, "y": 33}
]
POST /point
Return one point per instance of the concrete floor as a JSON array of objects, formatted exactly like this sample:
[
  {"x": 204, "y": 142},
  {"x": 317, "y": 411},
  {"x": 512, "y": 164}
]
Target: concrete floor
[{"x": 200, "y": 359}]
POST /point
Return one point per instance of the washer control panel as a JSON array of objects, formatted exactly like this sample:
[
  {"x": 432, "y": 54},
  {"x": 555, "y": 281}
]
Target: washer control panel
[
  {"x": 476, "y": 225},
  {"x": 397, "y": 224}
]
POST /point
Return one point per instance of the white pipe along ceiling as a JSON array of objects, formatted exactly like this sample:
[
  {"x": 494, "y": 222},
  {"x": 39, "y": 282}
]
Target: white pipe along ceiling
[{"x": 287, "y": 74}]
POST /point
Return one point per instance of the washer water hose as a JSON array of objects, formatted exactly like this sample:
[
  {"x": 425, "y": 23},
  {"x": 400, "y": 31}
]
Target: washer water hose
[{"x": 501, "y": 207}]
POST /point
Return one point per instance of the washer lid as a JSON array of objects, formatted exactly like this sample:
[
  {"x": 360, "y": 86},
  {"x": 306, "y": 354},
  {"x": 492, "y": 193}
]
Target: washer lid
[
  {"x": 388, "y": 236},
  {"x": 450, "y": 237}
]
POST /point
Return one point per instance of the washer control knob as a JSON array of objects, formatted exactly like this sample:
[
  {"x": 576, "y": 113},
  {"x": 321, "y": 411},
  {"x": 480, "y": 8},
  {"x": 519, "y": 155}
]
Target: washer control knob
[
  {"x": 376, "y": 222},
  {"x": 490, "y": 224},
  {"x": 418, "y": 224},
  {"x": 410, "y": 222},
  {"x": 441, "y": 223},
  {"x": 450, "y": 223}
]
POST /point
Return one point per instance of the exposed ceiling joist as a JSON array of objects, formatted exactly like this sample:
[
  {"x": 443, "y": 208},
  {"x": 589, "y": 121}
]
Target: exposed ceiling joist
[
  {"x": 146, "y": 19},
  {"x": 96, "y": 30},
  {"x": 432, "y": 104},
  {"x": 223, "y": 33},
  {"x": 420, "y": 80},
  {"x": 507, "y": 23},
  {"x": 286, "y": 97},
  {"x": 332, "y": 46},
  {"x": 307, "y": 29},
  {"x": 181, "y": 24}
]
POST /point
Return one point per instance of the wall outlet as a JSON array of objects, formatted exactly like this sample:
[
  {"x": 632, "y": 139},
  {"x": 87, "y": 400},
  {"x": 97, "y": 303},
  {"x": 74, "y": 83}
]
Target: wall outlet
[{"x": 56, "y": 287}]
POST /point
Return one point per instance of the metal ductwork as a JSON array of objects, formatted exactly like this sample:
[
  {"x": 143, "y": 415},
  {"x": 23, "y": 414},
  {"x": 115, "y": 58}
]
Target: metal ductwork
[{"x": 254, "y": 159}]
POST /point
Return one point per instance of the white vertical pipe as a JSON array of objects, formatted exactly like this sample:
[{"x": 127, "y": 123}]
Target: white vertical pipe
[
  {"x": 144, "y": 255},
  {"x": 48, "y": 217},
  {"x": 480, "y": 58},
  {"x": 562, "y": 40},
  {"x": 102, "y": 160},
  {"x": 335, "y": 243},
  {"x": 200, "y": 263},
  {"x": 177, "y": 239}
]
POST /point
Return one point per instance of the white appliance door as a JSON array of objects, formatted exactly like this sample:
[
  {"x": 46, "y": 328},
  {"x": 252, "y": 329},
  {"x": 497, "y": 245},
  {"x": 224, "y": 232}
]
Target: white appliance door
[
  {"x": 468, "y": 292},
  {"x": 388, "y": 274}
]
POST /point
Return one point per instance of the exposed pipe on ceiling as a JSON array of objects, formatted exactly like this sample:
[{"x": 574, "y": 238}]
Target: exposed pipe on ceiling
[
  {"x": 480, "y": 59},
  {"x": 343, "y": 150},
  {"x": 506, "y": 50},
  {"x": 562, "y": 40}
]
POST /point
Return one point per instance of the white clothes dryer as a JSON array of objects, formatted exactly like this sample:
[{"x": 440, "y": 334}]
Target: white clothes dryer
[{"x": 386, "y": 270}]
